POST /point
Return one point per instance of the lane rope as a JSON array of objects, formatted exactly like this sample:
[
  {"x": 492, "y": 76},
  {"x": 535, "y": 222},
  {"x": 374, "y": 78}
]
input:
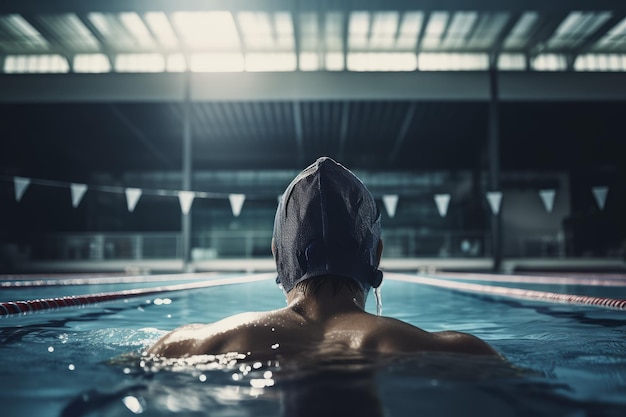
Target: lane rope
[
  {"x": 531, "y": 279},
  {"x": 609, "y": 303},
  {"x": 30, "y": 306},
  {"x": 137, "y": 279}
]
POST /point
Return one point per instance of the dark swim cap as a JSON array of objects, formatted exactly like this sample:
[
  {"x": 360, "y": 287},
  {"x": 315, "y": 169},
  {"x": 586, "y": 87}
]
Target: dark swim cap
[{"x": 327, "y": 223}]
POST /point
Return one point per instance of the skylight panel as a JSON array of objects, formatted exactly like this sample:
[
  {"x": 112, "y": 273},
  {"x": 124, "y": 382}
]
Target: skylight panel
[
  {"x": 384, "y": 30},
  {"x": 213, "y": 31},
  {"x": 103, "y": 23},
  {"x": 614, "y": 38},
  {"x": 334, "y": 31},
  {"x": 309, "y": 61},
  {"x": 21, "y": 34},
  {"x": 549, "y": 62},
  {"x": 577, "y": 27},
  {"x": 139, "y": 63},
  {"x": 520, "y": 33},
  {"x": 267, "y": 62},
  {"x": 217, "y": 62},
  {"x": 91, "y": 63},
  {"x": 600, "y": 62},
  {"x": 512, "y": 62},
  {"x": 283, "y": 24},
  {"x": 434, "y": 29},
  {"x": 256, "y": 30},
  {"x": 71, "y": 32},
  {"x": 334, "y": 61},
  {"x": 487, "y": 31},
  {"x": 114, "y": 30},
  {"x": 382, "y": 61},
  {"x": 453, "y": 62},
  {"x": 176, "y": 63},
  {"x": 161, "y": 27},
  {"x": 358, "y": 30},
  {"x": 136, "y": 27},
  {"x": 460, "y": 27},
  {"x": 50, "y": 63},
  {"x": 309, "y": 32},
  {"x": 409, "y": 30}
]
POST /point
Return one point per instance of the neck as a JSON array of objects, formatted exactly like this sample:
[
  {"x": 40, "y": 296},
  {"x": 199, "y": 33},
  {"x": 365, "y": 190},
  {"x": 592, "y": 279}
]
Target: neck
[{"x": 326, "y": 303}]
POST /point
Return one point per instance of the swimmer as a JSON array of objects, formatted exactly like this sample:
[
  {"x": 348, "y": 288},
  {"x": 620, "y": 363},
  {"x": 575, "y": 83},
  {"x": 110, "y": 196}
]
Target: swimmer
[{"x": 327, "y": 248}]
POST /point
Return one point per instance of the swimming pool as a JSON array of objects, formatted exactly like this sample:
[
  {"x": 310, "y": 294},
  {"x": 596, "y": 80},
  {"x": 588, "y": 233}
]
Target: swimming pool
[{"x": 569, "y": 360}]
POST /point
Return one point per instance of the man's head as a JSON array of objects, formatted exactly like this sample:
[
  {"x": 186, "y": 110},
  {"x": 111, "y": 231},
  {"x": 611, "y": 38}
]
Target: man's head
[{"x": 327, "y": 223}]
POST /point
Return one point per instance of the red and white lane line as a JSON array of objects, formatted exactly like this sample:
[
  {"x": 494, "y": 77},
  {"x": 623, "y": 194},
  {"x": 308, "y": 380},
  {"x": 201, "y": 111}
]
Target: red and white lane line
[
  {"x": 610, "y": 303},
  {"x": 29, "y": 306},
  {"x": 132, "y": 279},
  {"x": 531, "y": 279}
]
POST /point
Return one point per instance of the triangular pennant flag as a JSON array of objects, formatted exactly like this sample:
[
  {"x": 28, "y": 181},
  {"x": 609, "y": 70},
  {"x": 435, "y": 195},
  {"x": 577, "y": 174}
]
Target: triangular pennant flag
[
  {"x": 600, "y": 194},
  {"x": 21, "y": 184},
  {"x": 132, "y": 197},
  {"x": 78, "y": 191},
  {"x": 495, "y": 199},
  {"x": 391, "y": 202},
  {"x": 442, "y": 201},
  {"x": 185, "y": 198},
  {"x": 236, "y": 203},
  {"x": 547, "y": 196}
]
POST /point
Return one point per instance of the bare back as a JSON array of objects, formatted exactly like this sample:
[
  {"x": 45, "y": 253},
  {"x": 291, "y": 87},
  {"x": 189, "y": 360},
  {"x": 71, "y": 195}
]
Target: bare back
[{"x": 293, "y": 331}]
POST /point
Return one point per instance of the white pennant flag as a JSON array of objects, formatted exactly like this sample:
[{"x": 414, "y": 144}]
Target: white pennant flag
[
  {"x": 132, "y": 197},
  {"x": 78, "y": 191},
  {"x": 21, "y": 184},
  {"x": 547, "y": 196},
  {"x": 185, "y": 198},
  {"x": 442, "y": 201},
  {"x": 391, "y": 202},
  {"x": 600, "y": 194},
  {"x": 495, "y": 200},
  {"x": 236, "y": 203}
]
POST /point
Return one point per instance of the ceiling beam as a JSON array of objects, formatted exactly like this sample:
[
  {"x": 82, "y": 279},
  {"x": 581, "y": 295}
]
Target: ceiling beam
[
  {"x": 113, "y": 6},
  {"x": 457, "y": 86}
]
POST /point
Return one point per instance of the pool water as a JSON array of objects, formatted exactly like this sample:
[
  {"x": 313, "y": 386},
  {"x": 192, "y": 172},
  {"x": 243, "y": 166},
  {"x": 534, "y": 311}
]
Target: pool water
[{"x": 562, "y": 360}]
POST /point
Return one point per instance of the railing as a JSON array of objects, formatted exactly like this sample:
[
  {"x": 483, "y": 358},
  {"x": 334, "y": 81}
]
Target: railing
[
  {"x": 224, "y": 244},
  {"x": 399, "y": 243}
]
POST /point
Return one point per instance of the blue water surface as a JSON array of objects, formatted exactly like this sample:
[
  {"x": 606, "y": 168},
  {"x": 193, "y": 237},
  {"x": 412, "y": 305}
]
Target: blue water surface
[{"x": 562, "y": 360}]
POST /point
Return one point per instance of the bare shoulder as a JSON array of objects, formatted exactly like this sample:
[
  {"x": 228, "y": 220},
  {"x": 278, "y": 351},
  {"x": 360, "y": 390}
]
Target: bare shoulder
[
  {"x": 194, "y": 339},
  {"x": 464, "y": 343},
  {"x": 398, "y": 336}
]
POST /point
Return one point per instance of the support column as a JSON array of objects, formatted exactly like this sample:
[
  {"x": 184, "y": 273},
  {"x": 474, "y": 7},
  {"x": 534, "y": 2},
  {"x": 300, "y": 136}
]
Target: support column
[
  {"x": 186, "y": 173},
  {"x": 493, "y": 153}
]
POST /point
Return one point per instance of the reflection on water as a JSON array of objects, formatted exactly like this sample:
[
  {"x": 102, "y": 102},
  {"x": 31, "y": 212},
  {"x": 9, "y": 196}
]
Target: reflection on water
[
  {"x": 352, "y": 384},
  {"x": 59, "y": 363}
]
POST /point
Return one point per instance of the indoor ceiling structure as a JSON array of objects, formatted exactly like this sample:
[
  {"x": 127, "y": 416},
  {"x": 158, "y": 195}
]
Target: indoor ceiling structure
[{"x": 95, "y": 85}]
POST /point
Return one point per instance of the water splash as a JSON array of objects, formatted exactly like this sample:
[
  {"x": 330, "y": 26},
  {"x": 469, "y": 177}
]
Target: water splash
[{"x": 379, "y": 301}]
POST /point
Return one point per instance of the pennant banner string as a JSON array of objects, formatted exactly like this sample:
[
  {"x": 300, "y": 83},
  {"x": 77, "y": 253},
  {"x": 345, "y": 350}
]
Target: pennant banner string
[
  {"x": 78, "y": 191},
  {"x": 442, "y": 201},
  {"x": 21, "y": 184},
  {"x": 547, "y": 196},
  {"x": 495, "y": 200},
  {"x": 391, "y": 202}
]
